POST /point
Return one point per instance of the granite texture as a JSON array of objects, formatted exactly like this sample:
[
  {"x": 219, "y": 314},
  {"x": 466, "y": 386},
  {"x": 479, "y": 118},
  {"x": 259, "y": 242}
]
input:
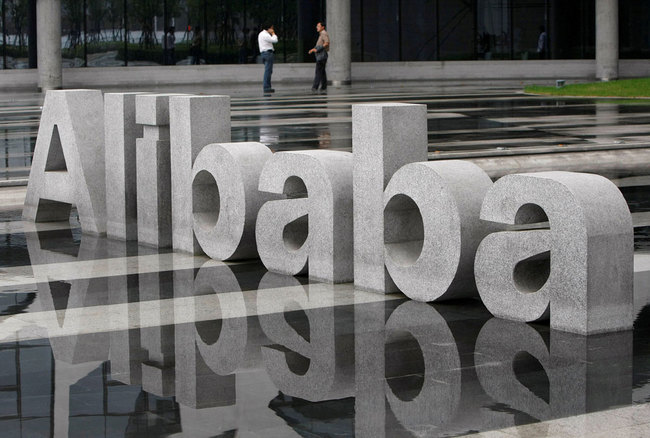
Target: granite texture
[
  {"x": 121, "y": 132},
  {"x": 153, "y": 161},
  {"x": 312, "y": 228},
  {"x": 65, "y": 169},
  {"x": 580, "y": 270},
  {"x": 194, "y": 121},
  {"x": 384, "y": 138},
  {"x": 225, "y": 199},
  {"x": 432, "y": 228}
]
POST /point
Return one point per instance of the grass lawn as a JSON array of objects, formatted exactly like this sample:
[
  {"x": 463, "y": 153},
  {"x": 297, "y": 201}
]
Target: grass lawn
[{"x": 621, "y": 88}]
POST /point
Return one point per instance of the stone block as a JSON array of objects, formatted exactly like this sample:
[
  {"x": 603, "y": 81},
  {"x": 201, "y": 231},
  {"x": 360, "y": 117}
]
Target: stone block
[
  {"x": 194, "y": 121},
  {"x": 432, "y": 228},
  {"x": 313, "y": 225},
  {"x": 154, "y": 192},
  {"x": 153, "y": 162},
  {"x": 65, "y": 169},
  {"x": 225, "y": 200},
  {"x": 153, "y": 109},
  {"x": 121, "y": 132},
  {"x": 385, "y": 137},
  {"x": 580, "y": 269}
]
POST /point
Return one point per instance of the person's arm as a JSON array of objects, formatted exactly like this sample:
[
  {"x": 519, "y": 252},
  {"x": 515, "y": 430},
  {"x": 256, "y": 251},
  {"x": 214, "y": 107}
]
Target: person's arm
[
  {"x": 319, "y": 48},
  {"x": 271, "y": 38}
]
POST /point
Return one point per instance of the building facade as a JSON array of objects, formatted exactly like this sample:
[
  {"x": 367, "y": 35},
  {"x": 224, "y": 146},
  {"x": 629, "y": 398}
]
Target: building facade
[{"x": 114, "y": 33}]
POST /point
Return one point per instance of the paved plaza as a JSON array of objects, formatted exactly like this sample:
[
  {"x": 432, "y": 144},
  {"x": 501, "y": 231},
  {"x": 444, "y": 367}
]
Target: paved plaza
[{"x": 106, "y": 338}]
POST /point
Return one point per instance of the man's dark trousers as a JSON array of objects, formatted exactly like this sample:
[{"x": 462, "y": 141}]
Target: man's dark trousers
[{"x": 320, "y": 78}]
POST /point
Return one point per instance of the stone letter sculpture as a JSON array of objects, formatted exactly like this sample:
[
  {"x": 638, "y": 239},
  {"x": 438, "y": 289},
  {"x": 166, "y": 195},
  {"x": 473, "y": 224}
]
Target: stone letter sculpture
[
  {"x": 65, "y": 168},
  {"x": 225, "y": 199},
  {"x": 153, "y": 163},
  {"x": 385, "y": 137},
  {"x": 314, "y": 223},
  {"x": 194, "y": 121},
  {"x": 580, "y": 269},
  {"x": 121, "y": 133},
  {"x": 432, "y": 228}
]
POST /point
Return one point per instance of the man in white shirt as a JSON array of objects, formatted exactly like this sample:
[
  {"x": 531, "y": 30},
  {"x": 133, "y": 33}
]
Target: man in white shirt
[{"x": 265, "y": 40}]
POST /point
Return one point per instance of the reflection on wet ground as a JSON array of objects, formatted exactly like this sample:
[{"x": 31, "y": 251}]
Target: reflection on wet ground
[{"x": 106, "y": 338}]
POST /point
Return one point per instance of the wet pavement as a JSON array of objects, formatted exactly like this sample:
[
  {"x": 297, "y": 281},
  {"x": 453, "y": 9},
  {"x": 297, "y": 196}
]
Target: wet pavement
[
  {"x": 104, "y": 338},
  {"x": 467, "y": 118}
]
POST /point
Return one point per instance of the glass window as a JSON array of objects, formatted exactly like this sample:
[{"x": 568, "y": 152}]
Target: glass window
[
  {"x": 145, "y": 32},
  {"x": 456, "y": 29},
  {"x": 634, "y": 29},
  {"x": 16, "y": 21}
]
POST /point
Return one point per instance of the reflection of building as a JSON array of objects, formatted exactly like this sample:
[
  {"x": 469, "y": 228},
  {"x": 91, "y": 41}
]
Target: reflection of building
[{"x": 361, "y": 31}]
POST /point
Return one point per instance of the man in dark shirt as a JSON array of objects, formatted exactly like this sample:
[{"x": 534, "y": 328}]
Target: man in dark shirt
[{"x": 321, "y": 49}]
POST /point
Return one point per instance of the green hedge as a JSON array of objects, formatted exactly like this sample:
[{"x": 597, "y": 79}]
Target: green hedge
[
  {"x": 16, "y": 51},
  {"x": 78, "y": 52}
]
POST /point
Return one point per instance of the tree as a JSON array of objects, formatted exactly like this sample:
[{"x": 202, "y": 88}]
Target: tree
[
  {"x": 144, "y": 12},
  {"x": 73, "y": 17},
  {"x": 115, "y": 16},
  {"x": 96, "y": 11},
  {"x": 18, "y": 9}
]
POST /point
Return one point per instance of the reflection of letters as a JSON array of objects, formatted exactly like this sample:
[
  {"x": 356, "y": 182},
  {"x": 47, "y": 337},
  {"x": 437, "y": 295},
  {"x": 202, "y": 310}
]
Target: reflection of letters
[
  {"x": 580, "y": 269},
  {"x": 307, "y": 359},
  {"x": 584, "y": 373},
  {"x": 208, "y": 352},
  {"x": 126, "y": 356},
  {"x": 157, "y": 340},
  {"x": 438, "y": 398},
  {"x": 377, "y": 365},
  {"x": 65, "y": 169},
  {"x": 57, "y": 296},
  {"x": 432, "y": 228},
  {"x": 385, "y": 137},
  {"x": 314, "y": 224}
]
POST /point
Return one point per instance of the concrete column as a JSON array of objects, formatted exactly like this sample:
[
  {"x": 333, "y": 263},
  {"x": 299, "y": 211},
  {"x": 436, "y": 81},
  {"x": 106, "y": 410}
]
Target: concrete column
[
  {"x": 48, "y": 19},
  {"x": 338, "y": 25},
  {"x": 607, "y": 39}
]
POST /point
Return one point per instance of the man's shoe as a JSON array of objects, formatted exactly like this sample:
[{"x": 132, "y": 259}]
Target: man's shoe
[
  {"x": 269, "y": 90},
  {"x": 323, "y": 91},
  {"x": 314, "y": 91}
]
